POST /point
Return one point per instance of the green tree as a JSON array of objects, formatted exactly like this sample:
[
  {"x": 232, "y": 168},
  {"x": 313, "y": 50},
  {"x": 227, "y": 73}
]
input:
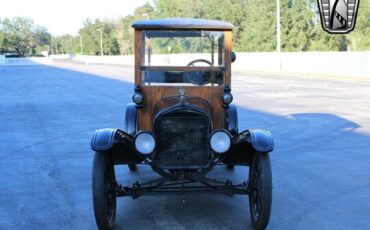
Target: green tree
[
  {"x": 124, "y": 32},
  {"x": 259, "y": 27},
  {"x": 233, "y": 11},
  {"x": 296, "y": 25},
  {"x": 42, "y": 39},
  {"x": 254, "y": 21},
  {"x": 359, "y": 39},
  {"x": 1, "y": 37},
  {"x": 125, "y": 35},
  {"x": 302, "y": 31},
  {"x": 179, "y": 8},
  {"x": 20, "y": 35},
  {"x": 1, "y": 41},
  {"x": 320, "y": 40},
  {"x": 90, "y": 36}
]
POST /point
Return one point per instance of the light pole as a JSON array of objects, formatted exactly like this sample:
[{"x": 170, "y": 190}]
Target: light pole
[
  {"x": 62, "y": 46},
  {"x": 101, "y": 41},
  {"x": 278, "y": 26},
  {"x": 81, "y": 43},
  {"x": 51, "y": 44},
  {"x": 278, "y": 46}
]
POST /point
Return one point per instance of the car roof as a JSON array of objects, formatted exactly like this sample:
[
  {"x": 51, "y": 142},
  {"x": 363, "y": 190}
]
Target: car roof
[{"x": 182, "y": 23}]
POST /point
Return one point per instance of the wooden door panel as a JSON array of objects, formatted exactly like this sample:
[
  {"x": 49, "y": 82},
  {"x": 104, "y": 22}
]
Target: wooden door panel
[{"x": 154, "y": 94}]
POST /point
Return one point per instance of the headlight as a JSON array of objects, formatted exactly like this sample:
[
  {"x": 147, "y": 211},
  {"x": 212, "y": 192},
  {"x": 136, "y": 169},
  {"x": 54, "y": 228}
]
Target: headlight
[
  {"x": 144, "y": 142},
  {"x": 227, "y": 98},
  {"x": 220, "y": 141},
  {"x": 138, "y": 98}
]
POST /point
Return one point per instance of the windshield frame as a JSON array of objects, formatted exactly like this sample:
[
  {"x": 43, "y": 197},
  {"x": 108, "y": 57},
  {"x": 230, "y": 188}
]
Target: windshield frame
[
  {"x": 140, "y": 54},
  {"x": 212, "y": 41}
]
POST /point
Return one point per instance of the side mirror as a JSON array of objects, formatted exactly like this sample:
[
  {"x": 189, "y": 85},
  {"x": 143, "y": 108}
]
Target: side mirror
[{"x": 233, "y": 56}]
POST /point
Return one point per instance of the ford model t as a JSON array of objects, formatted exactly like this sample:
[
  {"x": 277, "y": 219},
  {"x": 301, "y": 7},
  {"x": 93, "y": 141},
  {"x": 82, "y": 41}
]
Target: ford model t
[{"x": 182, "y": 123}]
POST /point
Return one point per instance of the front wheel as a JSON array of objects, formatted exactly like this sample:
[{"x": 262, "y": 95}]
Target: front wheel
[
  {"x": 260, "y": 190},
  {"x": 103, "y": 190}
]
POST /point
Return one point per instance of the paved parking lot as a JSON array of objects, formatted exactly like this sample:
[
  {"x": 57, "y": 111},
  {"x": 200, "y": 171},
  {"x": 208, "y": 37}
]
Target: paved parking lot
[{"x": 321, "y": 163}]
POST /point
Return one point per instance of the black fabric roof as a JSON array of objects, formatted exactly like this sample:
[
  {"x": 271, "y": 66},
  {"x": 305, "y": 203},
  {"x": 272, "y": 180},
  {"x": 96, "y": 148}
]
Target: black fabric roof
[{"x": 182, "y": 23}]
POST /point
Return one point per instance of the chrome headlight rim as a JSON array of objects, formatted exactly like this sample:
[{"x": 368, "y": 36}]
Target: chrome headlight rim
[
  {"x": 228, "y": 138},
  {"x": 152, "y": 149}
]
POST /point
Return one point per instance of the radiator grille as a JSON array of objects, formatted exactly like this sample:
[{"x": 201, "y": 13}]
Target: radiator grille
[{"x": 182, "y": 138}]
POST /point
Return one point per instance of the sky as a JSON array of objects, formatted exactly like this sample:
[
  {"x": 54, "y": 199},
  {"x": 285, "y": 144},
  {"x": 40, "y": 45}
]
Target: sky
[{"x": 66, "y": 16}]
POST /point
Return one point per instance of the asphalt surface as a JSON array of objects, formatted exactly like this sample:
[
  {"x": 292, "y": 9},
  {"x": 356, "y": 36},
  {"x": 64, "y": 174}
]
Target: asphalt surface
[{"x": 321, "y": 163}]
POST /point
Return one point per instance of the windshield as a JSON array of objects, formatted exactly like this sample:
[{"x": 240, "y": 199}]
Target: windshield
[
  {"x": 183, "y": 48},
  {"x": 183, "y": 57}
]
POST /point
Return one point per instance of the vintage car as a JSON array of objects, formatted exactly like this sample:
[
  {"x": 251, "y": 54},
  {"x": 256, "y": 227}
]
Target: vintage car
[{"x": 182, "y": 123}]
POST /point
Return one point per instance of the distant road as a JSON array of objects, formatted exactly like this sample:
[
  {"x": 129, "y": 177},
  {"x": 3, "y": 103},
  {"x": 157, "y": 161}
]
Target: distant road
[{"x": 321, "y": 164}]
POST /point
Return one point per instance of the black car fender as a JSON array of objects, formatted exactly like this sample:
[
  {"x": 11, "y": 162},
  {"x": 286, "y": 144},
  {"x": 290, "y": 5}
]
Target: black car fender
[
  {"x": 232, "y": 119},
  {"x": 118, "y": 143},
  {"x": 260, "y": 140},
  {"x": 130, "y": 119},
  {"x": 103, "y": 139},
  {"x": 246, "y": 143}
]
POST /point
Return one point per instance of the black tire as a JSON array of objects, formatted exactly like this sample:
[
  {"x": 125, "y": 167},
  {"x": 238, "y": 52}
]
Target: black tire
[
  {"x": 132, "y": 167},
  {"x": 103, "y": 190},
  {"x": 260, "y": 190}
]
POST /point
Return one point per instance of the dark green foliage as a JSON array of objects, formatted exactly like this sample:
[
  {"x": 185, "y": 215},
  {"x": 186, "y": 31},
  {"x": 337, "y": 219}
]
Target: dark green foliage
[
  {"x": 359, "y": 39},
  {"x": 259, "y": 26},
  {"x": 21, "y": 36},
  {"x": 124, "y": 32},
  {"x": 254, "y": 21},
  {"x": 90, "y": 35},
  {"x": 301, "y": 29}
]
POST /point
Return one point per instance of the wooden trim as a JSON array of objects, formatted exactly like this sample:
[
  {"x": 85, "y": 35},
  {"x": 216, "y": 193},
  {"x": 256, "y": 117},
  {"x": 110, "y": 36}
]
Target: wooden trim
[
  {"x": 156, "y": 95},
  {"x": 182, "y": 68},
  {"x": 138, "y": 57},
  {"x": 228, "y": 50},
  {"x": 138, "y": 62},
  {"x": 221, "y": 46}
]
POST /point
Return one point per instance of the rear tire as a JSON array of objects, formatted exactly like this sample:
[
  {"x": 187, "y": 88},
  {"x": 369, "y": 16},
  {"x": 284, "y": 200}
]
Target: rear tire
[
  {"x": 260, "y": 190},
  {"x": 103, "y": 190}
]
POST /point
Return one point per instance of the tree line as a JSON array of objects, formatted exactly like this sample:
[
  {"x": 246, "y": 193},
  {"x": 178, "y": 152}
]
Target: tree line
[
  {"x": 254, "y": 21},
  {"x": 21, "y": 36}
]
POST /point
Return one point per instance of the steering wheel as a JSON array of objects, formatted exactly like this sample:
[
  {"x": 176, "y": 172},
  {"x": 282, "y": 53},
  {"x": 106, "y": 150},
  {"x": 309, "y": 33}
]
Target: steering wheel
[
  {"x": 202, "y": 78},
  {"x": 199, "y": 60}
]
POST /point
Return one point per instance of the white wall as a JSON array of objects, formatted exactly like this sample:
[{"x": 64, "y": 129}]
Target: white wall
[
  {"x": 353, "y": 64},
  {"x": 343, "y": 64},
  {"x": 2, "y": 59},
  {"x": 115, "y": 60},
  {"x": 25, "y": 61},
  {"x": 61, "y": 56}
]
